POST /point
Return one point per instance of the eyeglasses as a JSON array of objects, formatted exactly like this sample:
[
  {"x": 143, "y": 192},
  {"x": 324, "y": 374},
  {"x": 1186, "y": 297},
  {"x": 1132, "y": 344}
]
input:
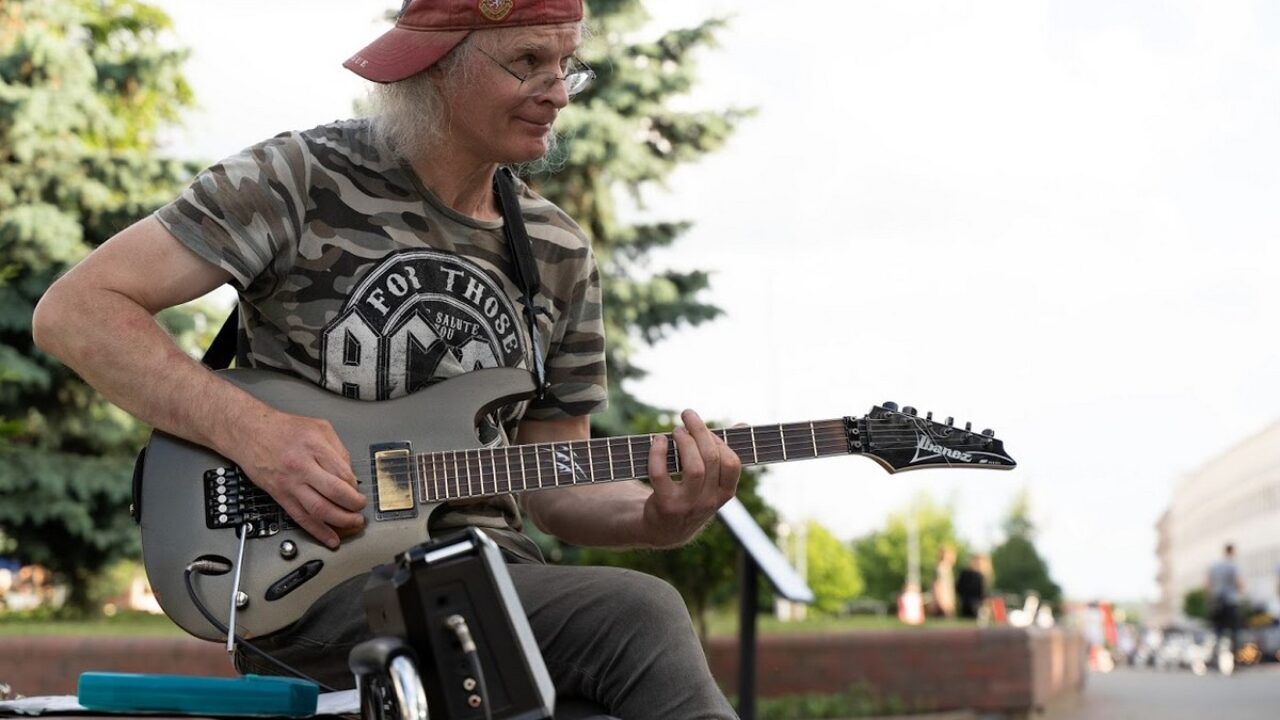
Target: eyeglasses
[{"x": 577, "y": 77}]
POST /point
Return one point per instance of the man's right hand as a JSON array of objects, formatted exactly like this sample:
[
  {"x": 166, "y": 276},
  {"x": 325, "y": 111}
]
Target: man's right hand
[{"x": 300, "y": 462}]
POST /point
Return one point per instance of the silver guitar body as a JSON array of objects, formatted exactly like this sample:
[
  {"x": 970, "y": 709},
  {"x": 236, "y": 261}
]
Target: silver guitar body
[{"x": 176, "y": 516}]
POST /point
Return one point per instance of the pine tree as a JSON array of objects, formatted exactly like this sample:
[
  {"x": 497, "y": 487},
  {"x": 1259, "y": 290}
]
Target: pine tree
[
  {"x": 1017, "y": 564},
  {"x": 84, "y": 88},
  {"x": 621, "y": 135}
]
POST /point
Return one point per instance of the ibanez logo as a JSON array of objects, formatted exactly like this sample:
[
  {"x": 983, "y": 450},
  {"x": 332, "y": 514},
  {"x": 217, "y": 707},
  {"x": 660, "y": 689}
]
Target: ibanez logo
[{"x": 927, "y": 449}]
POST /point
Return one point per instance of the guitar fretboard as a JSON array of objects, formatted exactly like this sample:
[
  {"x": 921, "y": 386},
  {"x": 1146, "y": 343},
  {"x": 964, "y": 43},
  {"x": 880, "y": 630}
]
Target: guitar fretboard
[{"x": 459, "y": 474}]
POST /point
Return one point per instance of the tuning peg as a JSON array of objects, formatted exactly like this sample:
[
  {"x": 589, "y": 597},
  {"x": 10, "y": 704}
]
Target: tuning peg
[
  {"x": 968, "y": 427},
  {"x": 908, "y": 410},
  {"x": 989, "y": 432},
  {"x": 950, "y": 421},
  {"x": 891, "y": 406}
]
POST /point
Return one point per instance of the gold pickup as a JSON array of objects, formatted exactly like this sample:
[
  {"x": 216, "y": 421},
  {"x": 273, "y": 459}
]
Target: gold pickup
[{"x": 395, "y": 489}]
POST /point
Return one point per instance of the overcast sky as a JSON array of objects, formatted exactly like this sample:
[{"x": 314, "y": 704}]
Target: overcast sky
[{"x": 1056, "y": 219}]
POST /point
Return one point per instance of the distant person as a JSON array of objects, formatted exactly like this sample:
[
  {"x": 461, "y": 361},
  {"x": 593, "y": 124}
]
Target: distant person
[
  {"x": 971, "y": 588},
  {"x": 1223, "y": 591},
  {"x": 1274, "y": 607},
  {"x": 944, "y": 582}
]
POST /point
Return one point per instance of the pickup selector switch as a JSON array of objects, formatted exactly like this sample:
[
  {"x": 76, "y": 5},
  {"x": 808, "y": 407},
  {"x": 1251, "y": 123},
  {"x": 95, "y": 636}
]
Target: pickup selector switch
[{"x": 294, "y": 580}]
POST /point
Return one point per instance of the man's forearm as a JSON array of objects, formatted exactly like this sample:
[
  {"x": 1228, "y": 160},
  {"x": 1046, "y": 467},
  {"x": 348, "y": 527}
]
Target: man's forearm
[
  {"x": 602, "y": 515},
  {"x": 606, "y": 515},
  {"x": 119, "y": 349},
  {"x": 666, "y": 513}
]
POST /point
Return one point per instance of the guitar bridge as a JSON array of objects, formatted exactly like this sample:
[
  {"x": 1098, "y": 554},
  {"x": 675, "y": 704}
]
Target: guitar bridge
[{"x": 230, "y": 499}]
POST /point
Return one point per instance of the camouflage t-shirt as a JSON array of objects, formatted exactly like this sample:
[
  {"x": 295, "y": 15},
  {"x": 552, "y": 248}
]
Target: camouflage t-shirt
[{"x": 353, "y": 275}]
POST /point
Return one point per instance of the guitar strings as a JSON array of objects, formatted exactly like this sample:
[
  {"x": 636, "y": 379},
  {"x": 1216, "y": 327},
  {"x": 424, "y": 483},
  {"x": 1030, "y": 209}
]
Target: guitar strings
[
  {"x": 815, "y": 439},
  {"x": 832, "y": 442},
  {"x": 602, "y": 450}
]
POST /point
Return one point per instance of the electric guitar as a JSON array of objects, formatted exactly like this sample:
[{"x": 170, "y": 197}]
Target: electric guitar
[{"x": 414, "y": 453}]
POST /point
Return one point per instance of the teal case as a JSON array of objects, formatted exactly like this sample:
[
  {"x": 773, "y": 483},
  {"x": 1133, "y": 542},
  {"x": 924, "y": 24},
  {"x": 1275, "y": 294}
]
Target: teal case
[{"x": 248, "y": 695}]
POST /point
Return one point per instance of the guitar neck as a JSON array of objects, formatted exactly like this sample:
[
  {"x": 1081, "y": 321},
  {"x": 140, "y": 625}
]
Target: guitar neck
[{"x": 459, "y": 474}]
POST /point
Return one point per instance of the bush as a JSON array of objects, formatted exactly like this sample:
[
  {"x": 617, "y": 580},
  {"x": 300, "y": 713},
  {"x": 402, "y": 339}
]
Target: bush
[
  {"x": 1195, "y": 604},
  {"x": 859, "y": 700}
]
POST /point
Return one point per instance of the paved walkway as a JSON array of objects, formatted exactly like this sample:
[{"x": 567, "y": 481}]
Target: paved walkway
[{"x": 1253, "y": 693}]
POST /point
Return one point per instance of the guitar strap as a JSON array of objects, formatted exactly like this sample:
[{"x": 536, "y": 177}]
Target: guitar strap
[
  {"x": 526, "y": 269},
  {"x": 222, "y": 350}
]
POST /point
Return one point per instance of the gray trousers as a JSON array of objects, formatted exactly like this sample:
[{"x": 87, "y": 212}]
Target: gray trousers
[{"x": 615, "y": 637}]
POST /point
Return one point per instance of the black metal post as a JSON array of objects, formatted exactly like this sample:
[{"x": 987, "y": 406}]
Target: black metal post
[{"x": 748, "y": 606}]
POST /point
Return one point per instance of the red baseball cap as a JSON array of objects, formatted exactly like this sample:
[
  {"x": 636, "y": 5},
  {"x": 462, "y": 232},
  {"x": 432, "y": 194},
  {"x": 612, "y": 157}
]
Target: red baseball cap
[{"x": 426, "y": 30}]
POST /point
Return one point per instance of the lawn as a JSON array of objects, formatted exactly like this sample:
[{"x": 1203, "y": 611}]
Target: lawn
[{"x": 120, "y": 624}]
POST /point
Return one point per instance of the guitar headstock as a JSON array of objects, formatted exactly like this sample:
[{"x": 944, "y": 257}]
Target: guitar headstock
[{"x": 900, "y": 440}]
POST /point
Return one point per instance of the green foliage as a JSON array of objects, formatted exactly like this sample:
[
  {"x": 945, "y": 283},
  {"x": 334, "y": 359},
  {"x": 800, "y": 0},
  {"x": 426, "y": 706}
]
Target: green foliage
[
  {"x": 1195, "y": 604},
  {"x": 1018, "y": 566},
  {"x": 622, "y": 134},
  {"x": 1018, "y": 522},
  {"x": 67, "y": 512},
  {"x": 832, "y": 570},
  {"x": 84, "y": 87},
  {"x": 1019, "y": 569},
  {"x": 859, "y": 700},
  {"x": 45, "y": 621},
  {"x": 882, "y": 555}
]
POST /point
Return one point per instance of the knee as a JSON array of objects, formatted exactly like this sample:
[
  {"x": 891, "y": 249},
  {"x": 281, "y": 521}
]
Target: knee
[{"x": 643, "y": 599}]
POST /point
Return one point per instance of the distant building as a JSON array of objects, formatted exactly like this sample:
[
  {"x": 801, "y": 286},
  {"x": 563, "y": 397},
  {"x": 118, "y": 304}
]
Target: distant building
[{"x": 1234, "y": 498}]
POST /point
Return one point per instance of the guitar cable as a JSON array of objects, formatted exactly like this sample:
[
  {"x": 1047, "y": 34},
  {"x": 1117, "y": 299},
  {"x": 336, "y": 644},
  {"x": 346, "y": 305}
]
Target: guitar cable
[{"x": 213, "y": 567}]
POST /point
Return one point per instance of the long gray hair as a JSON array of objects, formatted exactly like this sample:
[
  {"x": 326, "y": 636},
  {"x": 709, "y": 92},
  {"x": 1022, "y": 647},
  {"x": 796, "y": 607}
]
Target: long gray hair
[{"x": 409, "y": 116}]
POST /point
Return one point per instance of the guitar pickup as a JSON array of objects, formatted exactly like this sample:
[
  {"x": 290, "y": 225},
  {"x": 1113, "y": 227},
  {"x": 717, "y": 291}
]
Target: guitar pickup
[{"x": 394, "y": 490}]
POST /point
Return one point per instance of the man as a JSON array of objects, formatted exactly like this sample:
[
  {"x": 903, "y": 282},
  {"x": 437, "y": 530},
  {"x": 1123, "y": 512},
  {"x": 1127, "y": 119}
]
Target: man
[
  {"x": 971, "y": 588},
  {"x": 944, "y": 582},
  {"x": 1223, "y": 590},
  {"x": 370, "y": 259}
]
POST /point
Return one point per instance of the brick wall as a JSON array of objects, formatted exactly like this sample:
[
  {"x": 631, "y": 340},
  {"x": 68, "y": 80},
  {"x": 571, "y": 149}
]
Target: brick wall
[
  {"x": 995, "y": 670},
  {"x": 51, "y": 665}
]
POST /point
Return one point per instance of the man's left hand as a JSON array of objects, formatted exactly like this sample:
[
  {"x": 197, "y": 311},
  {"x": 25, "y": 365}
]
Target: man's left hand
[{"x": 709, "y": 472}]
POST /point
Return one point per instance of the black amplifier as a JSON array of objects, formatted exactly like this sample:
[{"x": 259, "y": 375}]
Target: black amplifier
[{"x": 453, "y": 602}]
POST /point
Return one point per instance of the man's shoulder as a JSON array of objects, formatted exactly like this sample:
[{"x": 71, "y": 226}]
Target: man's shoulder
[
  {"x": 341, "y": 144},
  {"x": 547, "y": 221},
  {"x": 350, "y": 139},
  {"x": 320, "y": 157}
]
